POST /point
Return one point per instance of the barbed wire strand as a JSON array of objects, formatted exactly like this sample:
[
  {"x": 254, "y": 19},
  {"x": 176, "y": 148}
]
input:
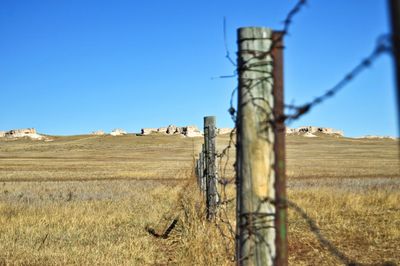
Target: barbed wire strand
[
  {"x": 257, "y": 218},
  {"x": 228, "y": 54},
  {"x": 223, "y": 217},
  {"x": 383, "y": 45}
]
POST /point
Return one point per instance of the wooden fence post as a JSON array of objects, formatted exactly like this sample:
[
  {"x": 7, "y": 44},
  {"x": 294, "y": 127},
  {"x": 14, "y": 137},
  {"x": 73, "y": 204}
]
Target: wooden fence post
[
  {"x": 256, "y": 173},
  {"x": 210, "y": 159},
  {"x": 281, "y": 258},
  {"x": 198, "y": 172},
  {"x": 202, "y": 169},
  {"x": 196, "y": 164}
]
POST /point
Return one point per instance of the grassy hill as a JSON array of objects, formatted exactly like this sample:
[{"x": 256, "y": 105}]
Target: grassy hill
[{"x": 89, "y": 199}]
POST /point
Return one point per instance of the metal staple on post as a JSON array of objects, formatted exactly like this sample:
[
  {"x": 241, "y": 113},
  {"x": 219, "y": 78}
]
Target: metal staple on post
[
  {"x": 210, "y": 159},
  {"x": 256, "y": 174}
]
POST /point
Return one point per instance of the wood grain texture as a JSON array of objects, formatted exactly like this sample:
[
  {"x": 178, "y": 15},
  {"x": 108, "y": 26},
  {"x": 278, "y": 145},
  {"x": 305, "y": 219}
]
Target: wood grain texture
[
  {"x": 256, "y": 175},
  {"x": 211, "y": 168}
]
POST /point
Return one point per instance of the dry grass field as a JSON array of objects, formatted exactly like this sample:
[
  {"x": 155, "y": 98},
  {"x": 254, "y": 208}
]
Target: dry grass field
[{"x": 90, "y": 199}]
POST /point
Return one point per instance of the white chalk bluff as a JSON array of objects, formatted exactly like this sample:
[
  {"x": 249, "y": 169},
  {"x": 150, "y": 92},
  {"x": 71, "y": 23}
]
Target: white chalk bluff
[
  {"x": 22, "y": 133},
  {"x": 187, "y": 131},
  {"x": 310, "y": 131}
]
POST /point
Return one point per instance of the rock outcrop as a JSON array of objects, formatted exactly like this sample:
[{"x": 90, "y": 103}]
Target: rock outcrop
[
  {"x": 98, "y": 133},
  {"x": 178, "y": 130},
  {"x": 118, "y": 132},
  {"x": 309, "y": 135},
  {"x": 191, "y": 131},
  {"x": 376, "y": 137},
  {"x": 171, "y": 129},
  {"x": 24, "y": 133},
  {"x": 2, "y": 134},
  {"x": 162, "y": 130},
  {"x": 20, "y": 132},
  {"x": 222, "y": 131},
  {"x": 186, "y": 131},
  {"x": 313, "y": 130},
  {"x": 148, "y": 131}
]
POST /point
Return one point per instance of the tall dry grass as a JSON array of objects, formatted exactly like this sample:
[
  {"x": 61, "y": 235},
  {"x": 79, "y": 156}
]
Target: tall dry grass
[
  {"x": 361, "y": 225},
  {"x": 54, "y": 228},
  {"x": 195, "y": 240},
  {"x": 88, "y": 200}
]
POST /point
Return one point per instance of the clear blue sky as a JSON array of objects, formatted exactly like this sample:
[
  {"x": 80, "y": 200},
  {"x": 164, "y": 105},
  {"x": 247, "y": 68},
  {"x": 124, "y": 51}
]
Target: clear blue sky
[{"x": 74, "y": 66}]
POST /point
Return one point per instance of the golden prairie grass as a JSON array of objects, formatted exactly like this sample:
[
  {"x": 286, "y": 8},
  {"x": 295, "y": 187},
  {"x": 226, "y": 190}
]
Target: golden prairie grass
[
  {"x": 89, "y": 199},
  {"x": 327, "y": 157},
  {"x": 96, "y": 158},
  {"x": 54, "y": 228},
  {"x": 197, "y": 241},
  {"x": 361, "y": 225},
  {"x": 348, "y": 188}
]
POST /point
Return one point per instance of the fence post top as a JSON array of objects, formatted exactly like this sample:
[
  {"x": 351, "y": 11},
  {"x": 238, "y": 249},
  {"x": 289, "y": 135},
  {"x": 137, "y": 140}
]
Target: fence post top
[
  {"x": 245, "y": 33},
  {"x": 208, "y": 120}
]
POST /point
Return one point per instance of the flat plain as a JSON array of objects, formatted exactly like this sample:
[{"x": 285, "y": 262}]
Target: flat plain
[{"x": 82, "y": 200}]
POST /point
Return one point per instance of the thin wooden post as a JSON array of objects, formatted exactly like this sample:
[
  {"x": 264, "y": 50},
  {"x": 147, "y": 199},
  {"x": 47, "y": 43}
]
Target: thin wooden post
[
  {"x": 196, "y": 168},
  {"x": 198, "y": 171},
  {"x": 394, "y": 10},
  {"x": 210, "y": 158},
  {"x": 256, "y": 174},
  {"x": 202, "y": 169},
  {"x": 206, "y": 162},
  {"x": 279, "y": 147}
]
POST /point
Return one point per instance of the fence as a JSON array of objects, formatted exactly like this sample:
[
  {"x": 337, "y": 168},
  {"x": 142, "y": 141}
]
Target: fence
[{"x": 261, "y": 201}]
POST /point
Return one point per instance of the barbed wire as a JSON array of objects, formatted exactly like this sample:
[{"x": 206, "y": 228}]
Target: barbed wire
[
  {"x": 223, "y": 217},
  {"x": 223, "y": 180},
  {"x": 259, "y": 220},
  {"x": 382, "y": 46},
  {"x": 227, "y": 55}
]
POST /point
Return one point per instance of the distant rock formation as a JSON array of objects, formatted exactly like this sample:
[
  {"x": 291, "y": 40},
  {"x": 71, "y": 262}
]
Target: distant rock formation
[
  {"x": 148, "y": 131},
  {"x": 2, "y": 134},
  {"x": 222, "y": 131},
  {"x": 312, "y": 130},
  {"x": 376, "y": 137},
  {"x": 24, "y": 132},
  {"x": 309, "y": 135},
  {"x": 98, "y": 133},
  {"x": 118, "y": 132},
  {"x": 191, "y": 131},
  {"x": 162, "y": 130},
  {"x": 187, "y": 131},
  {"x": 20, "y": 132},
  {"x": 171, "y": 129}
]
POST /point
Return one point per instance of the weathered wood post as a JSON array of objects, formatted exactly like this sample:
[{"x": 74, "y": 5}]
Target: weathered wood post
[
  {"x": 196, "y": 167},
  {"x": 206, "y": 162},
  {"x": 279, "y": 148},
  {"x": 198, "y": 171},
  {"x": 210, "y": 159},
  {"x": 256, "y": 173}
]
